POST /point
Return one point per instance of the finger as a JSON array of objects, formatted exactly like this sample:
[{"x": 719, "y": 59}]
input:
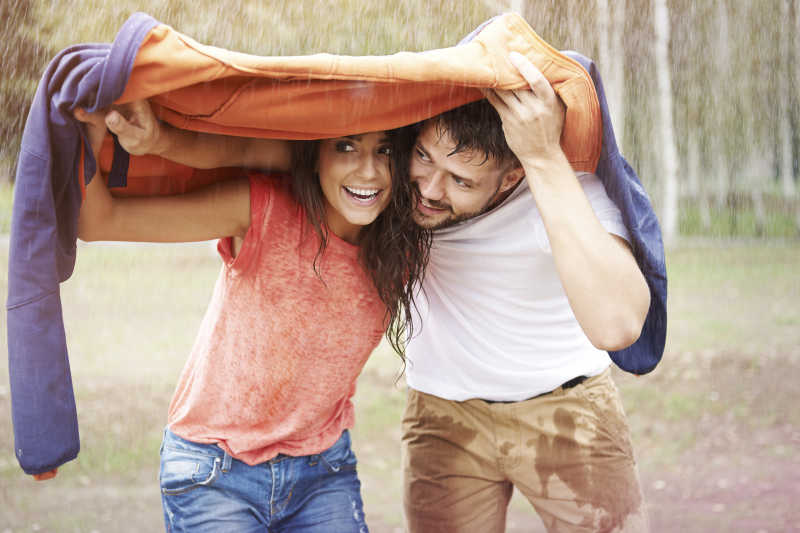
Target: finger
[
  {"x": 538, "y": 83},
  {"x": 497, "y": 102},
  {"x": 139, "y": 113},
  {"x": 92, "y": 119},
  {"x": 116, "y": 122},
  {"x": 512, "y": 99},
  {"x": 123, "y": 128}
]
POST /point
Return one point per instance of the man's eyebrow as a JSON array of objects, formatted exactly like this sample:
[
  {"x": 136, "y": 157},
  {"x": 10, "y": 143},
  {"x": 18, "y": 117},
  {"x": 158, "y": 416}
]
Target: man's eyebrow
[
  {"x": 462, "y": 178},
  {"x": 423, "y": 150}
]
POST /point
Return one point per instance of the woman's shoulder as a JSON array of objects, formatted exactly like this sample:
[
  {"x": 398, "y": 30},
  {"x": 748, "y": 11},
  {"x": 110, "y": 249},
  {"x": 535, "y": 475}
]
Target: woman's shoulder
[
  {"x": 272, "y": 190},
  {"x": 272, "y": 200},
  {"x": 271, "y": 184}
]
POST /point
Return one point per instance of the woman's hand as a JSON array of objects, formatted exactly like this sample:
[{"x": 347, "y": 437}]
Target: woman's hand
[{"x": 137, "y": 129}]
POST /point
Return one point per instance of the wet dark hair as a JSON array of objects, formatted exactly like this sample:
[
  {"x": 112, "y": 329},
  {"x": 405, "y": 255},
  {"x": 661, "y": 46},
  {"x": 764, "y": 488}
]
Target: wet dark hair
[
  {"x": 474, "y": 126},
  {"x": 393, "y": 249}
]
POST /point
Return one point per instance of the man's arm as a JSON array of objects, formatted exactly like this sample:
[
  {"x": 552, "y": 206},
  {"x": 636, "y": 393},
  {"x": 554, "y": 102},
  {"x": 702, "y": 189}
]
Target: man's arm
[
  {"x": 605, "y": 288},
  {"x": 140, "y": 132},
  {"x": 219, "y": 210}
]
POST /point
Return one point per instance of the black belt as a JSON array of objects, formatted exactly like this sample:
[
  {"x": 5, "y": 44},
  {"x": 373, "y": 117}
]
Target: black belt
[{"x": 574, "y": 382}]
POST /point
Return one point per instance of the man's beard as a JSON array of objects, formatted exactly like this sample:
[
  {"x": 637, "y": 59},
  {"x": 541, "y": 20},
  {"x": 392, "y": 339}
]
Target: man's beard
[{"x": 454, "y": 219}]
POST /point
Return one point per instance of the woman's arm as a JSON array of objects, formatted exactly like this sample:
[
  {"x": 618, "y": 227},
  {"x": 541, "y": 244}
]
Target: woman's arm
[
  {"x": 219, "y": 210},
  {"x": 140, "y": 132}
]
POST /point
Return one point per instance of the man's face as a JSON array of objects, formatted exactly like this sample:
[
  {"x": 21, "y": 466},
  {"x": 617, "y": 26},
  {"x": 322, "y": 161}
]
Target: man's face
[{"x": 455, "y": 186}]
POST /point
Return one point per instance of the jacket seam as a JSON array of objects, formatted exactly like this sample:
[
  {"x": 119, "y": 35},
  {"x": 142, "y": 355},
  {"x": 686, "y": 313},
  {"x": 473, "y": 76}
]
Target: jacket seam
[{"x": 35, "y": 299}]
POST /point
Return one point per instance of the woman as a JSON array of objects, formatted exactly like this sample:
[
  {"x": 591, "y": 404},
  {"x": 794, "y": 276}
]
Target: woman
[{"x": 317, "y": 265}]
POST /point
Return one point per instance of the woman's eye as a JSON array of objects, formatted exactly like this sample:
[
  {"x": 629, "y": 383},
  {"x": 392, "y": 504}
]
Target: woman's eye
[
  {"x": 422, "y": 155},
  {"x": 385, "y": 150},
  {"x": 344, "y": 146}
]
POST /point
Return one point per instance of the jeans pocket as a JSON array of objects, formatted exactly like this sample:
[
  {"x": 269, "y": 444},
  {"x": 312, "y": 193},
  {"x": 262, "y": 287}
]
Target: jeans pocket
[
  {"x": 182, "y": 470},
  {"x": 340, "y": 456}
]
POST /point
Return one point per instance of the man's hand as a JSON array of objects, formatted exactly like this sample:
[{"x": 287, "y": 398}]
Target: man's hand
[{"x": 532, "y": 118}]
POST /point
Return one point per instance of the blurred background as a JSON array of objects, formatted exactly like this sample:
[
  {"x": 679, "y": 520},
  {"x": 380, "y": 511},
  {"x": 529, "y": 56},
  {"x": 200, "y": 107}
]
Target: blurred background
[{"x": 705, "y": 103}]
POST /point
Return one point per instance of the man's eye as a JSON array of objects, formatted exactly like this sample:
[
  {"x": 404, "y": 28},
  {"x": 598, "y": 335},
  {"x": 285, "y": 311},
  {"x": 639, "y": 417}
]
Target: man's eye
[
  {"x": 461, "y": 183},
  {"x": 344, "y": 146},
  {"x": 385, "y": 150}
]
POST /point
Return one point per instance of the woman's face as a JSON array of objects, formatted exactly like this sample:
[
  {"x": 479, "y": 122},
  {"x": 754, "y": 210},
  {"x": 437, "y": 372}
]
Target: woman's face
[{"x": 356, "y": 181}]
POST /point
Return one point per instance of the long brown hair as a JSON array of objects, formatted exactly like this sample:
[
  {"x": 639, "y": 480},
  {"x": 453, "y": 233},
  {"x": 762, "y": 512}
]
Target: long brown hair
[{"x": 393, "y": 249}]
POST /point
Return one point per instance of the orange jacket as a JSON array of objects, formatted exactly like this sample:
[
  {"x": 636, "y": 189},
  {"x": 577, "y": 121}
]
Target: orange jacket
[{"x": 204, "y": 88}]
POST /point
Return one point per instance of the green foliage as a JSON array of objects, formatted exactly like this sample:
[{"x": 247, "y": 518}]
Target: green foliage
[
  {"x": 278, "y": 28},
  {"x": 24, "y": 56}
]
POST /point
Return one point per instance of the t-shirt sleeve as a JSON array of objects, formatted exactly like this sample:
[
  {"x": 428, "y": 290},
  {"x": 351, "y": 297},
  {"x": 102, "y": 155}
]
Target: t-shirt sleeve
[
  {"x": 604, "y": 208},
  {"x": 262, "y": 192}
]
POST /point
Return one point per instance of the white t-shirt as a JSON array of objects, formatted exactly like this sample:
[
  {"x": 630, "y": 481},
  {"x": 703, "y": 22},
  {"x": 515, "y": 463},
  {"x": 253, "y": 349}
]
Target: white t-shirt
[{"x": 494, "y": 321}]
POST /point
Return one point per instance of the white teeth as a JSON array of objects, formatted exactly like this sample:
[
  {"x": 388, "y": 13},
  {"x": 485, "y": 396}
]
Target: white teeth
[{"x": 362, "y": 192}]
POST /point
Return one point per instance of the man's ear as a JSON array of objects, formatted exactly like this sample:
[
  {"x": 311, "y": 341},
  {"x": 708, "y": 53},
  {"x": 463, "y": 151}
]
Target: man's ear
[{"x": 512, "y": 177}]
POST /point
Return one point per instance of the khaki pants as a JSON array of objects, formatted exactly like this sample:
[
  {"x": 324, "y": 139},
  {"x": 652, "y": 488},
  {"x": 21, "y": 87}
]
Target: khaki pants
[{"x": 569, "y": 452}]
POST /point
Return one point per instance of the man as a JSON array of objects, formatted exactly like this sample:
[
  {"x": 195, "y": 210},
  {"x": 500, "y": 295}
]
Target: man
[{"x": 530, "y": 282}]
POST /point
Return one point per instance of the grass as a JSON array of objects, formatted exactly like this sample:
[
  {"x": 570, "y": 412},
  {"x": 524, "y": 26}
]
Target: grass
[
  {"x": 780, "y": 220},
  {"x": 131, "y": 315}
]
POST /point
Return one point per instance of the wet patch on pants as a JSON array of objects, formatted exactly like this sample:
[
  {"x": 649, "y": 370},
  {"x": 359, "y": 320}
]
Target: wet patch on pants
[{"x": 599, "y": 472}]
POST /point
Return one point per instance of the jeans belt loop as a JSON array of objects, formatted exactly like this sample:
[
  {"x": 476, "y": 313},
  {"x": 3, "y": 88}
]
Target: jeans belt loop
[{"x": 226, "y": 462}]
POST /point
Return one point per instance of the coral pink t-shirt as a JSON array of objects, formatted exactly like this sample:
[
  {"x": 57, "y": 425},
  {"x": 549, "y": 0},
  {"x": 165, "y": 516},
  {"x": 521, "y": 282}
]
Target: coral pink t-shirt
[{"x": 275, "y": 363}]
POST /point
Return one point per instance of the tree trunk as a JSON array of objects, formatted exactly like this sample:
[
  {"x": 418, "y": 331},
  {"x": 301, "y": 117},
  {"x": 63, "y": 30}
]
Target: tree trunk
[
  {"x": 669, "y": 155},
  {"x": 795, "y": 108},
  {"x": 617, "y": 72},
  {"x": 603, "y": 49},
  {"x": 611, "y": 61},
  {"x": 719, "y": 154},
  {"x": 518, "y": 6},
  {"x": 785, "y": 102}
]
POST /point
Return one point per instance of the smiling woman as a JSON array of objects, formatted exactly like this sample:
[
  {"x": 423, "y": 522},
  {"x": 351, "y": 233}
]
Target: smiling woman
[
  {"x": 317, "y": 265},
  {"x": 355, "y": 179}
]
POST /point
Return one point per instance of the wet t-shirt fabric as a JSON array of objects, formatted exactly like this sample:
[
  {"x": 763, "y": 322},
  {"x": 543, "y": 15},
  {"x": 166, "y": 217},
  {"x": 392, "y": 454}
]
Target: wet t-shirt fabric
[{"x": 274, "y": 367}]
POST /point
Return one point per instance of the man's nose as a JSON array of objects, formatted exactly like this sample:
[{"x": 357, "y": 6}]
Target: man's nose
[{"x": 432, "y": 186}]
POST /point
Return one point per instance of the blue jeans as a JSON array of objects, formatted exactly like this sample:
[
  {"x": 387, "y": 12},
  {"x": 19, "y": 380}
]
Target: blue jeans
[{"x": 203, "y": 489}]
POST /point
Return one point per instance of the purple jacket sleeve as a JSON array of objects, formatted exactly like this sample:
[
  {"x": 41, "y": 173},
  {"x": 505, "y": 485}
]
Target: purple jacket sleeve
[
  {"x": 42, "y": 244},
  {"x": 624, "y": 188}
]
